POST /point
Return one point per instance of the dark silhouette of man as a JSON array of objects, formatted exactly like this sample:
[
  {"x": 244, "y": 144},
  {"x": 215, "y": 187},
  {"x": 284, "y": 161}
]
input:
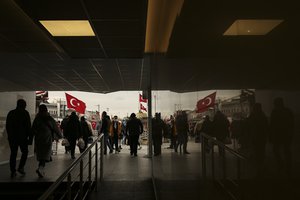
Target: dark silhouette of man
[
  {"x": 72, "y": 131},
  {"x": 158, "y": 127},
  {"x": 182, "y": 128},
  {"x": 18, "y": 127},
  {"x": 258, "y": 130},
  {"x": 134, "y": 127},
  {"x": 281, "y": 134},
  {"x": 105, "y": 130}
]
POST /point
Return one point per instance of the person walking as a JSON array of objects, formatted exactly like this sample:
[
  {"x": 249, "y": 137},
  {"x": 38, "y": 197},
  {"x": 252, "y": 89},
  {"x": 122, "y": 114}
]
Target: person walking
[
  {"x": 18, "y": 127},
  {"x": 62, "y": 127},
  {"x": 72, "y": 131},
  {"x": 158, "y": 127},
  {"x": 45, "y": 131},
  {"x": 281, "y": 135},
  {"x": 85, "y": 133},
  {"x": 258, "y": 130},
  {"x": 182, "y": 128},
  {"x": 105, "y": 124},
  {"x": 134, "y": 128},
  {"x": 116, "y": 132}
]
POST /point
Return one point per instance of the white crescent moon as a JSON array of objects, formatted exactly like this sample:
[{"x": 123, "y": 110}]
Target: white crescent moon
[
  {"x": 209, "y": 101},
  {"x": 71, "y": 102}
]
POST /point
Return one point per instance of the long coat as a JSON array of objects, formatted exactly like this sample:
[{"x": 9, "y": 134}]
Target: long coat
[{"x": 45, "y": 131}]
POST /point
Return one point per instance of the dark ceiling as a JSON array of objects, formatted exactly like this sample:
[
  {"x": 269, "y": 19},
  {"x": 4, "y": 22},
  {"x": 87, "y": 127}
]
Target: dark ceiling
[{"x": 199, "y": 57}]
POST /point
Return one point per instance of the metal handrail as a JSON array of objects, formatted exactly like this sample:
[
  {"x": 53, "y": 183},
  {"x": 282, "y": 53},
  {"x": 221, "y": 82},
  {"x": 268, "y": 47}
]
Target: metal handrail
[
  {"x": 78, "y": 161},
  {"x": 240, "y": 157},
  {"x": 221, "y": 144}
]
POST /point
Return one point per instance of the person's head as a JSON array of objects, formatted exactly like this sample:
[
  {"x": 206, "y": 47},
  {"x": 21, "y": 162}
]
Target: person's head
[
  {"x": 82, "y": 118},
  {"x": 43, "y": 108},
  {"x": 156, "y": 115},
  {"x": 73, "y": 113},
  {"x": 278, "y": 102},
  {"x": 104, "y": 114},
  {"x": 132, "y": 115},
  {"x": 115, "y": 117},
  {"x": 21, "y": 104}
]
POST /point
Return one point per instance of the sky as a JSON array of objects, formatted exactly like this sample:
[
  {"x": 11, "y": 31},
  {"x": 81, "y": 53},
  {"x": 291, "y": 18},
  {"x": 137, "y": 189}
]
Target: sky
[{"x": 123, "y": 103}]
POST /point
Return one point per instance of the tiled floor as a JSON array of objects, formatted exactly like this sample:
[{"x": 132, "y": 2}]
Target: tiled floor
[{"x": 177, "y": 176}]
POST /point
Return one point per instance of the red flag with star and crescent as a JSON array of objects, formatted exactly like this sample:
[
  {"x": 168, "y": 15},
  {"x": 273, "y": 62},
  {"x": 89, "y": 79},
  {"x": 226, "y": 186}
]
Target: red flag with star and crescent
[
  {"x": 73, "y": 102},
  {"x": 141, "y": 99},
  {"x": 206, "y": 102},
  {"x": 143, "y": 107}
]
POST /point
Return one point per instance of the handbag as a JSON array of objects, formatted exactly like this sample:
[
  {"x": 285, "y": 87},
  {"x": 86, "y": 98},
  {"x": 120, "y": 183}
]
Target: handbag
[
  {"x": 81, "y": 143},
  {"x": 65, "y": 142}
]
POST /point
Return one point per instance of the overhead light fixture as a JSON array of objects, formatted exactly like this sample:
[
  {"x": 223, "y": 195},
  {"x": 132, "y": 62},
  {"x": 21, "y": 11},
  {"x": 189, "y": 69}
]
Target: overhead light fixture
[
  {"x": 68, "y": 27},
  {"x": 251, "y": 27},
  {"x": 161, "y": 17}
]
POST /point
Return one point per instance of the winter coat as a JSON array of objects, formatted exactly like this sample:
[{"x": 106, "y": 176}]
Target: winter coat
[
  {"x": 134, "y": 127},
  {"x": 44, "y": 130},
  {"x": 72, "y": 130},
  {"x": 18, "y": 126}
]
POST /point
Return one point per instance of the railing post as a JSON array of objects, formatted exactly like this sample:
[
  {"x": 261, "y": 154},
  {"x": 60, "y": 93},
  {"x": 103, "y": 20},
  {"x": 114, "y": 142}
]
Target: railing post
[
  {"x": 69, "y": 187},
  {"x": 238, "y": 169},
  {"x": 224, "y": 162},
  {"x": 101, "y": 158},
  {"x": 90, "y": 166},
  {"x": 203, "y": 157},
  {"x": 96, "y": 166},
  {"x": 81, "y": 180},
  {"x": 212, "y": 161}
]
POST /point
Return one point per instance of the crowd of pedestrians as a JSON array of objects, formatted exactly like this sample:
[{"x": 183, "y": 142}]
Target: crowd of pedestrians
[{"x": 252, "y": 134}]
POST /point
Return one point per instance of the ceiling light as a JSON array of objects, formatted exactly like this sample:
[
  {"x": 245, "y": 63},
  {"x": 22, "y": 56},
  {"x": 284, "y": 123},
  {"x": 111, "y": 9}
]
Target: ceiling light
[
  {"x": 251, "y": 27},
  {"x": 68, "y": 27},
  {"x": 161, "y": 17}
]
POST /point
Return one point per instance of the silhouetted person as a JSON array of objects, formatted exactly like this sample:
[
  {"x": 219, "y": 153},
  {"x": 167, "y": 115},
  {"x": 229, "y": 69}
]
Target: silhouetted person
[
  {"x": 220, "y": 128},
  {"x": 72, "y": 132},
  {"x": 173, "y": 134},
  {"x": 158, "y": 127},
  {"x": 105, "y": 124},
  {"x": 63, "y": 126},
  {"x": 182, "y": 128},
  {"x": 85, "y": 133},
  {"x": 281, "y": 134},
  {"x": 116, "y": 132},
  {"x": 18, "y": 127},
  {"x": 207, "y": 128},
  {"x": 134, "y": 128},
  {"x": 45, "y": 131},
  {"x": 258, "y": 130}
]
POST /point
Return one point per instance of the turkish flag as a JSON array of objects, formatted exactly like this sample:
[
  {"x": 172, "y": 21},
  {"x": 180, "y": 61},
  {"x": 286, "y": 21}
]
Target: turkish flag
[
  {"x": 206, "y": 102},
  {"x": 73, "y": 102},
  {"x": 143, "y": 107},
  {"x": 142, "y": 100},
  {"x": 94, "y": 124}
]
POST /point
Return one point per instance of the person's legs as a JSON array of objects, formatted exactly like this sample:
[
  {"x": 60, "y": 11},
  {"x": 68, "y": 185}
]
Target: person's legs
[
  {"x": 288, "y": 159},
  {"x": 276, "y": 150},
  {"x": 185, "y": 141},
  {"x": 13, "y": 155},
  {"x": 40, "y": 171},
  {"x": 72, "y": 148},
  {"x": 135, "y": 144},
  {"x": 24, "y": 150}
]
